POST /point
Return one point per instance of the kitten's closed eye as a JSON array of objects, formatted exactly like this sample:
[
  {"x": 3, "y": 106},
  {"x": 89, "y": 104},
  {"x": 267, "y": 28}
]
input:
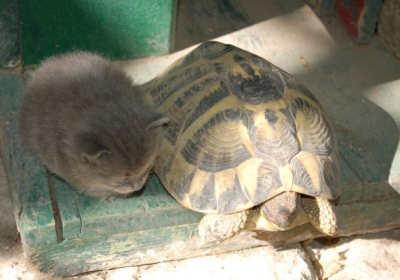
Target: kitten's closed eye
[
  {"x": 95, "y": 158},
  {"x": 122, "y": 182},
  {"x": 130, "y": 184}
]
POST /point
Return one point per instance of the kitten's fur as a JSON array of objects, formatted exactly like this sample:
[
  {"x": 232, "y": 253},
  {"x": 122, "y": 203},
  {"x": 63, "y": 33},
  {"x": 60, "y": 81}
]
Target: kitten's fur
[{"x": 85, "y": 120}]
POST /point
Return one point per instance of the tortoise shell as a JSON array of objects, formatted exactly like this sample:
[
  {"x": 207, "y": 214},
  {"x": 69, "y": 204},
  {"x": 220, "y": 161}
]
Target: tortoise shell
[{"x": 241, "y": 132}]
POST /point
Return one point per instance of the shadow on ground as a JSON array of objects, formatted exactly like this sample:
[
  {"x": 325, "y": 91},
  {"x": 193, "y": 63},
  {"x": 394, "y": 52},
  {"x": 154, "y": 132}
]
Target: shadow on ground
[{"x": 200, "y": 21}]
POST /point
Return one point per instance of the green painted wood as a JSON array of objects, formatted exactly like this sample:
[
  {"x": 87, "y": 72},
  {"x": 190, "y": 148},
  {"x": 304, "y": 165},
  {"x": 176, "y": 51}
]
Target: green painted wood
[
  {"x": 121, "y": 250},
  {"x": 120, "y": 29},
  {"x": 71, "y": 223},
  {"x": 389, "y": 25},
  {"x": 86, "y": 217},
  {"x": 11, "y": 91},
  {"x": 36, "y": 220},
  {"x": 163, "y": 244},
  {"x": 9, "y": 33},
  {"x": 11, "y": 86},
  {"x": 27, "y": 179},
  {"x": 322, "y": 7}
]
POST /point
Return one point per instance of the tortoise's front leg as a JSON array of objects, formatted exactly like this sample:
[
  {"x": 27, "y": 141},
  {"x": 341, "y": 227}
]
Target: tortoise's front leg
[
  {"x": 219, "y": 227},
  {"x": 321, "y": 213}
]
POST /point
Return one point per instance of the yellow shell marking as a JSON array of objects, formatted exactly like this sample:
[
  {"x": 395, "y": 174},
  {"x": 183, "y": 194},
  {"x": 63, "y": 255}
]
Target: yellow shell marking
[
  {"x": 247, "y": 173},
  {"x": 312, "y": 166}
]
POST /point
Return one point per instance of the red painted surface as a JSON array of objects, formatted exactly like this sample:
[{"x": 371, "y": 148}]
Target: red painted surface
[{"x": 349, "y": 13}]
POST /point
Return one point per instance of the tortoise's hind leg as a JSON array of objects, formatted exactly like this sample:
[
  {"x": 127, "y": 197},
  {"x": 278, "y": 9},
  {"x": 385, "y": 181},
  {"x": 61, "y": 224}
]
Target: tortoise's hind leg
[
  {"x": 321, "y": 213},
  {"x": 219, "y": 227}
]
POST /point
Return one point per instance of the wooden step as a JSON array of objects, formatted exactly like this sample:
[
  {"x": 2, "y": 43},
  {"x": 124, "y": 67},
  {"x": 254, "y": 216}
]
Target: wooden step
[{"x": 121, "y": 29}]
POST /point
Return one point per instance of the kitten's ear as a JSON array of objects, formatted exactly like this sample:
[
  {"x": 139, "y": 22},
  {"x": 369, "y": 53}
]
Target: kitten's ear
[
  {"x": 158, "y": 121},
  {"x": 94, "y": 158}
]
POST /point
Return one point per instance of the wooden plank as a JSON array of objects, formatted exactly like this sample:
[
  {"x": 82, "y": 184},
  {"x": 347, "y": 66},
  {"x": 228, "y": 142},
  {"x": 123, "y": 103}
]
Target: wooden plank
[
  {"x": 322, "y": 7},
  {"x": 11, "y": 85},
  {"x": 119, "y": 29},
  {"x": 85, "y": 217},
  {"x": 26, "y": 178},
  {"x": 71, "y": 222},
  {"x": 180, "y": 242},
  {"x": 9, "y": 33},
  {"x": 358, "y": 17},
  {"x": 36, "y": 220},
  {"x": 11, "y": 91},
  {"x": 389, "y": 25}
]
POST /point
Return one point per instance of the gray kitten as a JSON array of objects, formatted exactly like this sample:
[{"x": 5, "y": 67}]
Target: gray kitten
[{"x": 85, "y": 120}]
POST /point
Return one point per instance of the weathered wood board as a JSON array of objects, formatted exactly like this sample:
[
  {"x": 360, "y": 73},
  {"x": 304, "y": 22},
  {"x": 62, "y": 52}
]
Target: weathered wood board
[
  {"x": 9, "y": 32},
  {"x": 121, "y": 29},
  {"x": 359, "y": 18},
  {"x": 389, "y": 25},
  {"x": 66, "y": 233}
]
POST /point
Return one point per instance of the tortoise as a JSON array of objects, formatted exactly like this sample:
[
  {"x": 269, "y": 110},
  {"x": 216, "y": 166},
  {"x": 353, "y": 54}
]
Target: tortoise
[{"x": 247, "y": 144}]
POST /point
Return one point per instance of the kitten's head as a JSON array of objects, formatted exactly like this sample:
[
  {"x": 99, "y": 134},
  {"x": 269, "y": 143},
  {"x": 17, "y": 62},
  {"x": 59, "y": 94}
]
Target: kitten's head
[{"x": 116, "y": 158}]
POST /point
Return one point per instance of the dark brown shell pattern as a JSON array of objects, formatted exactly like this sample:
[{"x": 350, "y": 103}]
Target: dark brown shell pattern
[{"x": 241, "y": 132}]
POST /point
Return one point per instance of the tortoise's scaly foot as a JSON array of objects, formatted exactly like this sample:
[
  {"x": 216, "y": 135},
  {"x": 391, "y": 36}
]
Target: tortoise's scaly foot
[
  {"x": 219, "y": 227},
  {"x": 321, "y": 213}
]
